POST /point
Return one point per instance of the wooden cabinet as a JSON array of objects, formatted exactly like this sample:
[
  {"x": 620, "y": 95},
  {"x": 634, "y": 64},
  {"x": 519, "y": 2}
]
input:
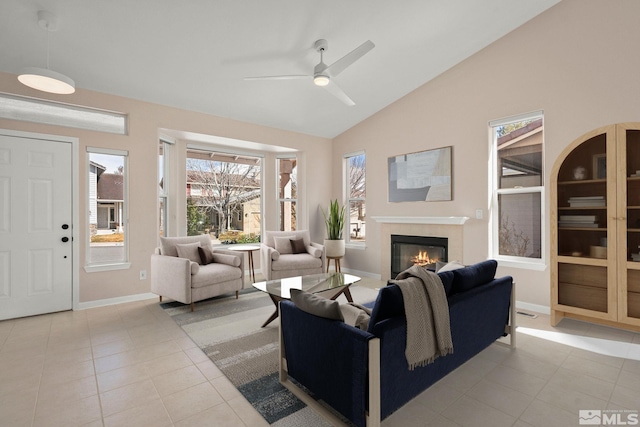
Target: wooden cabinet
[{"x": 595, "y": 228}]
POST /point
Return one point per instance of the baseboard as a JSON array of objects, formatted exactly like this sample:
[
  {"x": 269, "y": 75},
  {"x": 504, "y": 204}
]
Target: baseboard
[
  {"x": 543, "y": 309},
  {"x": 112, "y": 301}
]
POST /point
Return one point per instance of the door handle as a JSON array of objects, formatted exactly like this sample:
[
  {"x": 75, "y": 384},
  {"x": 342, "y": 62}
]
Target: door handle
[
  {"x": 65, "y": 226},
  {"x": 65, "y": 239}
]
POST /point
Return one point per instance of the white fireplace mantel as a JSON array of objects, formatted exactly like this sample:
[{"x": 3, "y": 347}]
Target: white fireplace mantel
[{"x": 449, "y": 220}]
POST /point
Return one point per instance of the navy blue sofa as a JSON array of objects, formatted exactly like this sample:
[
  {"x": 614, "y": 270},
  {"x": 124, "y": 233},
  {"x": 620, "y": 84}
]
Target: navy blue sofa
[{"x": 363, "y": 375}]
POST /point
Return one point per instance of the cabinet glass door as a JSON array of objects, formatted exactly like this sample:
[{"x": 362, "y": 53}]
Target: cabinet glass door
[
  {"x": 583, "y": 227},
  {"x": 632, "y": 209}
]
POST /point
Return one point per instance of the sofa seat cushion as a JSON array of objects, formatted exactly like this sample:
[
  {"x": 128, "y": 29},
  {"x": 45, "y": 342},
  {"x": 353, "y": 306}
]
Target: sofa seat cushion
[
  {"x": 296, "y": 262},
  {"x": 211, "y": 274},
  {"x": 474, "y": 275}
]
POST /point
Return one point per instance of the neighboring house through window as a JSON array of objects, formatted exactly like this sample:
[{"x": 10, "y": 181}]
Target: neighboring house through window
[
  {"x": 107, "y": 209},
  {"x": 518, "y": 189},
  {"x": 355, "y": 168},
  {"x": 287, "y": 174},
  {"x": 224, "y": 193}
]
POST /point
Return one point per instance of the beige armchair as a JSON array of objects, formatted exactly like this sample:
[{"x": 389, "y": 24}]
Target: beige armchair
[
  {"x": 278, "y": 260},
  {"x": 179, "y": 272}
]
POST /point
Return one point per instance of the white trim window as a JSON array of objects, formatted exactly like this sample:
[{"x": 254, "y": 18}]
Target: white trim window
[
  {"x": 517, "y": 220},
  {"x": 164, "y": 158},
  {"x": 107, "y": 209},
  {"x": 287, "y": 173},
  {"x": 355, "y": 190}
]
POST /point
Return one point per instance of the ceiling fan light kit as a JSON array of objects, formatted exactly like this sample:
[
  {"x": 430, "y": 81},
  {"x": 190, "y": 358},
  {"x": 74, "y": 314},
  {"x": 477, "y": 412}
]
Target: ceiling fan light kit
[
  {"x": 44, "y": 79},
  {"x": 323, "y": 73}
]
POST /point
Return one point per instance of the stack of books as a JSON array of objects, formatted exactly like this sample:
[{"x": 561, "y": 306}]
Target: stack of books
[
  {"x": 586, "y": 202},
  {"x": 578, "y": 221},
  {"x": 635, "y": 174},
  {"x": 635, "y": 257}
]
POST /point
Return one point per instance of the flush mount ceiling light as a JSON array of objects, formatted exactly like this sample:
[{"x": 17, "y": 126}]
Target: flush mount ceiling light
[{"x": 45, "y": 79}]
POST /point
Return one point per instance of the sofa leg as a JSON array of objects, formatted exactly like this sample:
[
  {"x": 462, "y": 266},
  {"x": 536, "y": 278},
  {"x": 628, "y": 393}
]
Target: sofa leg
[
  {"x": 237, "y": 294},
  {"x": 160, "y": 298},
  {"x": 191, "y": 305}
]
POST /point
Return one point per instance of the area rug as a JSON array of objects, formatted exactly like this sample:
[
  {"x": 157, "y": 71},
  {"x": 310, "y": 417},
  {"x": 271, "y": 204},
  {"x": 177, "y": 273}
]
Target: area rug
[{"x": 229, "y": 331}]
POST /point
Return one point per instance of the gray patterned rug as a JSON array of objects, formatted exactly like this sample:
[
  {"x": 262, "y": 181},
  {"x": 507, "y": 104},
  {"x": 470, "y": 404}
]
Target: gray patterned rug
[{"x": 229, "y": 332}]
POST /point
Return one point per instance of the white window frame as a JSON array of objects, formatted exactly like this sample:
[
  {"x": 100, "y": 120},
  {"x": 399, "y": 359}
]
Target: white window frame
[
  {"x": 281, "y": 200},
  {"x": 230, "y": 152},
  {"x": 167, "y": 148},
  {"x": 347, "y": 199},
  {"x": 109, "y": 265},
  {"x": 507, "y": 260}
]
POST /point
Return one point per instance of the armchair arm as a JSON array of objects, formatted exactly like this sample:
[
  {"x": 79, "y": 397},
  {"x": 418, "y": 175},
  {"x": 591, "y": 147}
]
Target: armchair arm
[
  {"x": 324, "y": 253},
  {"x": 266, "y": 256},
  {"x": 171, "y": 277}
]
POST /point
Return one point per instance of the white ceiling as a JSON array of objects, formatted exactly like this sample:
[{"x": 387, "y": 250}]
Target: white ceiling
[{"x": 194, "y": 54}]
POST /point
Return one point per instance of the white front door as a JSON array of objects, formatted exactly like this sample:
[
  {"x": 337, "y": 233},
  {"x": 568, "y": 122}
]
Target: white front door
[{"x": 35, "y": 226}]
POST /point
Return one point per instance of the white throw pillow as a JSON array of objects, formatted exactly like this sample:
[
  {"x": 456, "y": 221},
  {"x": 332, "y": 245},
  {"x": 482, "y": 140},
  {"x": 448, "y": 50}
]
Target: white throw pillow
[
  {"x": 283, "y": 245},
  {"x": 189, "y": 251},
  {"x": 450, "y": 266}
]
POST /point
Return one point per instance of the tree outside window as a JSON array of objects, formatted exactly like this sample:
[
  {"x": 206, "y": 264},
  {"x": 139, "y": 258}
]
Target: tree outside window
[
  {"x": 224, "y": 196},
  {"x": 356, "y": 190},
  {"x": 518, "y": 188}
]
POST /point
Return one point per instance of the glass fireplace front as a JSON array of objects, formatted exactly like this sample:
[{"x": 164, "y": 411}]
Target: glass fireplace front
[{"x": 416, "y": 250}]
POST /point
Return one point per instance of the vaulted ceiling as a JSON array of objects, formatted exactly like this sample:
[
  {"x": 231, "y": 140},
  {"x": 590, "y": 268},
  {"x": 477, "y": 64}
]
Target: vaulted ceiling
[{"x": 195, "y": 54}]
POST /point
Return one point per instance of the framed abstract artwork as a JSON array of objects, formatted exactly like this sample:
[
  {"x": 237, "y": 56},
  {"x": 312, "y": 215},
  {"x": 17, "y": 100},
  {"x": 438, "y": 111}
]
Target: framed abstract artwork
[{"x": 424, "y": 176}]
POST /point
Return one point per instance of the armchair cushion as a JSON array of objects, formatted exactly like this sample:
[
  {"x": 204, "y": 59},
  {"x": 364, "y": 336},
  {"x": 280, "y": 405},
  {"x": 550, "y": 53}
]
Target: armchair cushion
[
  {"x": 206, "y": 255},
  {"x": 168, "y": 244},
  {"x": 231, "y": 260},
  {"x": 214, "y": 273},
  {"x": 189, "y": 251},
  {"x": 194, "y": 267},
  {"x": 283, "y": 244},
  {"x": 314, "y": 252},
  {"x": 297, "y": 246},
  {"x": 296, "y": 262},
  {"x": 275, "y": 255}
]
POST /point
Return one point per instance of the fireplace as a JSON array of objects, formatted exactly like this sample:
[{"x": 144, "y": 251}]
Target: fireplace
[{"x": 421, "y": 250}]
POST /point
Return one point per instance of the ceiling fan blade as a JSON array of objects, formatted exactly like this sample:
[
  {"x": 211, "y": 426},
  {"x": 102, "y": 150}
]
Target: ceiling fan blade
[
  {"x": 336, "y": 91},
  {"x": 341, "y": 64},
  {"x": 291, "y": 77}
]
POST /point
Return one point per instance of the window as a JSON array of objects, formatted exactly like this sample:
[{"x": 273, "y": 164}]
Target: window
[
  {"x": 107, "y": 210},
  {"x": 287, "y": 192},
  {"x": 518, "y": 188},
  {"x": 164, "y": 150},
  {"x": 224, "y": 194},
  {"x": 356, "y": 194},
  {"x": 59, "y": 114}
]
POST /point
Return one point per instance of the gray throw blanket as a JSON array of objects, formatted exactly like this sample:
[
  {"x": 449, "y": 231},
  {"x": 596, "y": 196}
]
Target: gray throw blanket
[{"x": 427, "y": 313}]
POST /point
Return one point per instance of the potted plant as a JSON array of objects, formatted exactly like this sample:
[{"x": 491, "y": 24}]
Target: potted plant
[{"x": 334, "y": 220}]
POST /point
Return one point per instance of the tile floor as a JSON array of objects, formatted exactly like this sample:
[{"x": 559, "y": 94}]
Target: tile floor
[{"x": 131, "y": 365}]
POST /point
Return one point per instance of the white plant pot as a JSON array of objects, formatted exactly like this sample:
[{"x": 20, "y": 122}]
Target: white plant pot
[{"x": 334, "y": 248}]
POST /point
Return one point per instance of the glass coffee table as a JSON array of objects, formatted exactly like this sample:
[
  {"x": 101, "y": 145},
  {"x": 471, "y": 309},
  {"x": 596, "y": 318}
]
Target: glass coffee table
[{"x": 328, "y": 285}]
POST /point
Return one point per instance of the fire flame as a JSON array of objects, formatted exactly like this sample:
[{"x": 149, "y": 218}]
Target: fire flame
[{"x": 423, "y": 259}]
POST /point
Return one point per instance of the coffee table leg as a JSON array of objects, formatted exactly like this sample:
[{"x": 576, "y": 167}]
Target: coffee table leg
[
  {"x": 275, "y": 314},
  {"x": 347, "y": 294}
]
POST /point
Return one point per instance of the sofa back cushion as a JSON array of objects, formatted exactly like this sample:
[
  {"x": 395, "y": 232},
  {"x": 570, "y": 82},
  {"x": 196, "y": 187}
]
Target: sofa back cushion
[
  {"x": 474, "y": 275},
  {"x": 391, "y": 304},
  {"x": 168, "y": 244}
]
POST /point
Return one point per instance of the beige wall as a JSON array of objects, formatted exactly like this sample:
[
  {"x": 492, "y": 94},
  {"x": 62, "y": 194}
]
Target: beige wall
[
  {"x": 578, "y": 62},
  {"x": 145, "y": 120}
]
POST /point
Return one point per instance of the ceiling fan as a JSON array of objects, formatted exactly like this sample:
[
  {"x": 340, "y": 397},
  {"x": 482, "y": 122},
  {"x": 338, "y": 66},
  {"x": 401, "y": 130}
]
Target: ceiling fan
[{"x": 323, "y": 74}]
